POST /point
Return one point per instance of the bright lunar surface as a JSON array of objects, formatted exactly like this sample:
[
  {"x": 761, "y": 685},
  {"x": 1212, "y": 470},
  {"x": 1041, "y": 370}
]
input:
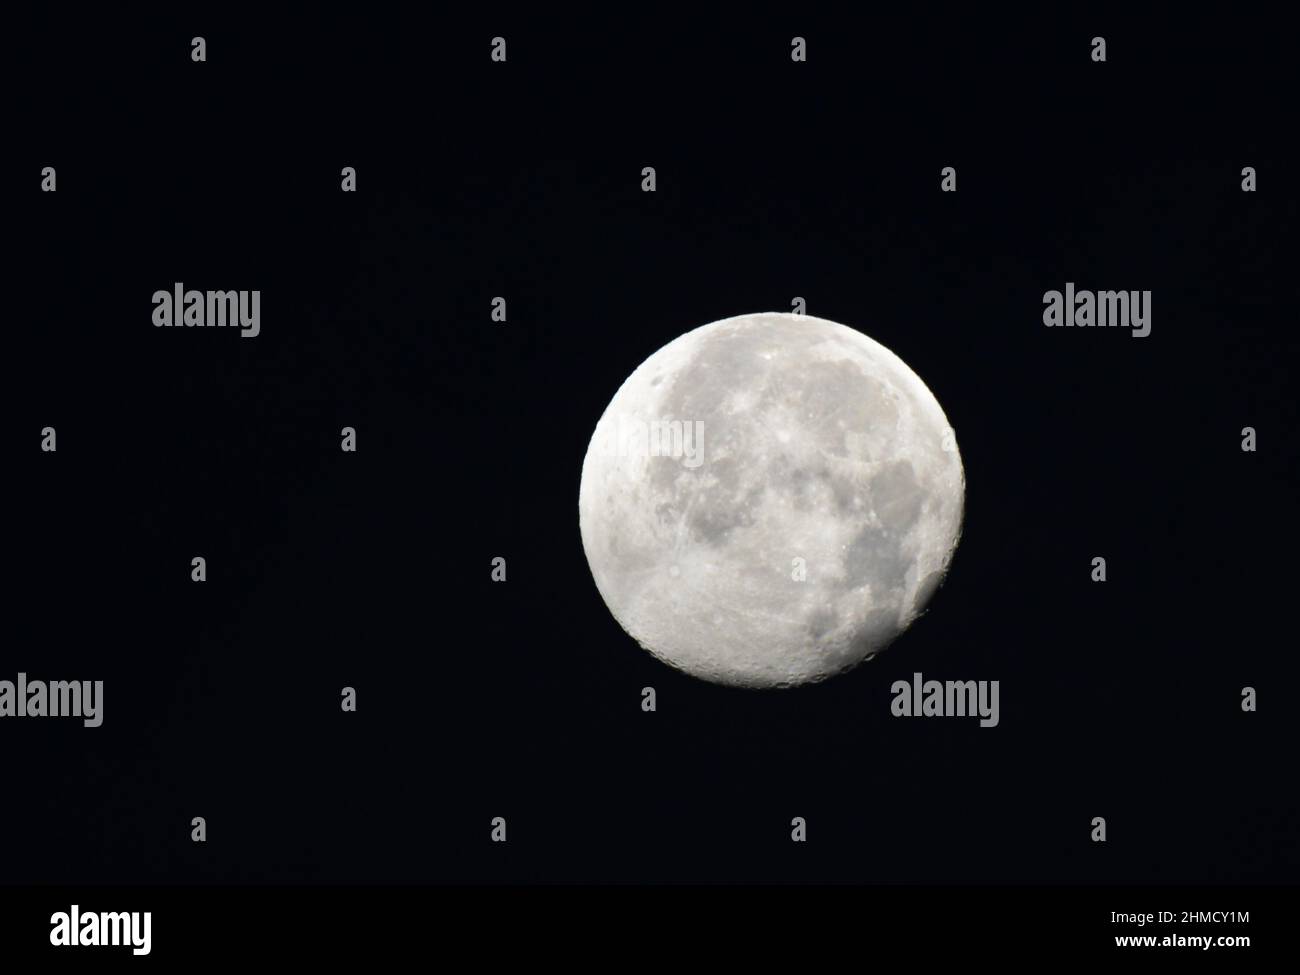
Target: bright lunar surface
[{"x": 769, "y": 500}]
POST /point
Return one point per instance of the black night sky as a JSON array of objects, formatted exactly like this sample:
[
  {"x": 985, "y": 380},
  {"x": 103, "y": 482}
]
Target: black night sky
[{"x": 522, "y": 700}]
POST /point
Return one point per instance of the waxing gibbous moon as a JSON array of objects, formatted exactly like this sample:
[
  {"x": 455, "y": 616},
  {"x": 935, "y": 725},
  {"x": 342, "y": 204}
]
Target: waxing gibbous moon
[{"x": 769, "y": 500}]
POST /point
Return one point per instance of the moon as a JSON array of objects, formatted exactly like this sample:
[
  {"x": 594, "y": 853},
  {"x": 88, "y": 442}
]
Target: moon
[{"x": 769, "y": 500}]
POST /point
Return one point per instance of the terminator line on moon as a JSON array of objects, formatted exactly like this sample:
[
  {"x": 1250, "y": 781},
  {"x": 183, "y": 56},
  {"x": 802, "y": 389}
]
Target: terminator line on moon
[{"x": 806, "y": 513}]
